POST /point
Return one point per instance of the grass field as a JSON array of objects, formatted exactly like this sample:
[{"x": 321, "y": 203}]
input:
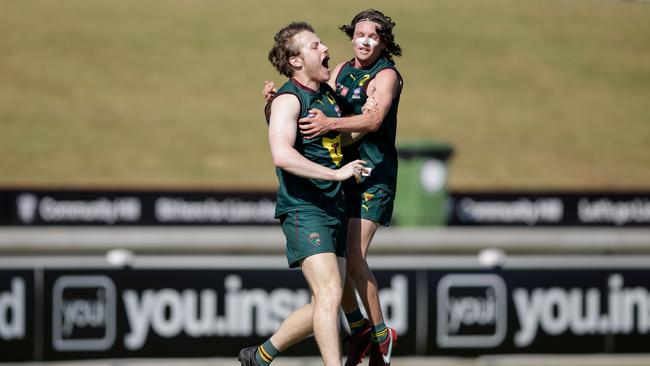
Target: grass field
[{"x": 532, "y": 94}]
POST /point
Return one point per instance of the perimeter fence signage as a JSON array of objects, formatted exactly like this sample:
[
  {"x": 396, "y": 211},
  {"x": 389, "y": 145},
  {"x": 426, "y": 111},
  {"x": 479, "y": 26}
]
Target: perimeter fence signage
[
  {"x": 135, "y": 208},
  {"x": 145, "y": 208},
  {"x": 54, "y": 314},
  {"x": 549, "y": 209}
]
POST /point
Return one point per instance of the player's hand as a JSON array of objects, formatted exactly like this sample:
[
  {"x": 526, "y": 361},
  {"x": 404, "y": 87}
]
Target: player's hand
[
  {"x": 317, "y": 124},
  {"x": 371, "y": 105},
  {"x": 353, "y": 169},
  {"x": 268, "y": 92}
]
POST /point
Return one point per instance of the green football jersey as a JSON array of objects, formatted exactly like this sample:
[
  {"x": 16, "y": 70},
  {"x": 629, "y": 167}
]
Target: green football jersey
[
  {"x": 376, "y": 148},
  {"x": 296, "y": 192}
]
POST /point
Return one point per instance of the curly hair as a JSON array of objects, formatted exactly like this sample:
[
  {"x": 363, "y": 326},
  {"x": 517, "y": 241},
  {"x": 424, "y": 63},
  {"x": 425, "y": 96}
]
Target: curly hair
[
  {"x": 385, "y": 30},
  {"x": 284, "y": 47}
]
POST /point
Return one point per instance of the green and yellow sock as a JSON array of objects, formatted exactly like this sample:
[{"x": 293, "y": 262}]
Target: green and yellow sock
[
  {"x": 379, "y": 333},
  {"x": 266, "y": 353},
  {"x": 356, "y": 321}
]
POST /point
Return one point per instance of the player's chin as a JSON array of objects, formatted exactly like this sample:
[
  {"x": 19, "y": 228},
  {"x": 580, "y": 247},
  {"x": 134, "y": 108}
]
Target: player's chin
[{"x": 324, "y": 75}]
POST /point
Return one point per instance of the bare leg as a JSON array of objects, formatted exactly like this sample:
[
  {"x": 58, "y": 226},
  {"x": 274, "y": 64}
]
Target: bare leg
[
  {"x": 327, "y": 290},
  {"x": 295, "y": 328},
  {"x": 360, "y": 234},
  {"x": 299, "y": 324}
]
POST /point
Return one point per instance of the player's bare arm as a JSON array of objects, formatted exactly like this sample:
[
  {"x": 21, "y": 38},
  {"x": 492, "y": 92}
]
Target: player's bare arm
[
  {"x": 383, "y": 88},
  {"x": 349, "y": 138},
  {"x": 282, "y": 137}
]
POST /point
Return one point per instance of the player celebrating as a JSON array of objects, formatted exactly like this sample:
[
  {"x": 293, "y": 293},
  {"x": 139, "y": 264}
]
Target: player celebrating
[
  {"x": 310, "y": 197},
  {"x": 371, "y": 73}
]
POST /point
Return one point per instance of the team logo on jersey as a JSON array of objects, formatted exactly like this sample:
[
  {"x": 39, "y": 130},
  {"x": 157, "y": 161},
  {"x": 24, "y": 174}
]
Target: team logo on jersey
[
  {"x": 356, "y": 94},
  {"x": 337, "y": 110},
  {"x": 314, "y": 239}
]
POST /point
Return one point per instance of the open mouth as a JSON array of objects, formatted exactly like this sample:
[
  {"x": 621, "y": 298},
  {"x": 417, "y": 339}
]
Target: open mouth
[{"x": 326, "y": 62}]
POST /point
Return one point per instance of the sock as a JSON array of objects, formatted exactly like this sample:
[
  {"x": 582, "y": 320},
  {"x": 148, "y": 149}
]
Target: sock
[
  {"x": 379, "y": 333},
  {"x": 356, "y": 321},
  {"x": 266, "y": 353}
]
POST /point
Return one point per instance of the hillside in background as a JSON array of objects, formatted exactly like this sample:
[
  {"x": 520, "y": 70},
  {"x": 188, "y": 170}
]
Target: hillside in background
[{"x": 531, "y": 94}]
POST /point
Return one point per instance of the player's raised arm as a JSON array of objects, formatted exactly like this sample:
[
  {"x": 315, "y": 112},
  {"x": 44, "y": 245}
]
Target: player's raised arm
[{"x": 385, "y": 87}]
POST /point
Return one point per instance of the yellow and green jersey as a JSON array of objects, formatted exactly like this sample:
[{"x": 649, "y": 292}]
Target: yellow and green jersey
[
  {"x": 298, "y": 193},
  {"x": 376, "y": 148}
]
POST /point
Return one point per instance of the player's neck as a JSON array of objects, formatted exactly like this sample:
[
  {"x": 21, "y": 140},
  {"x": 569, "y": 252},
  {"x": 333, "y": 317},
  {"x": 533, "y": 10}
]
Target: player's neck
[{"x": 307, "y": 82}]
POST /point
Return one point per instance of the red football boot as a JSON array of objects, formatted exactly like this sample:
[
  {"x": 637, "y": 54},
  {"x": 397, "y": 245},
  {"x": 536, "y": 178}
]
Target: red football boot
[
  {"x": 359, "y": 345},
  {"x": 381, "y": 353}
]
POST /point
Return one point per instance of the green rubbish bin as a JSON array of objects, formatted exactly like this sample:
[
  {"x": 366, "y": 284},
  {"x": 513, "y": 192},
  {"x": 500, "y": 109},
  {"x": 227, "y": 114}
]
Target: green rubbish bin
[{"x": 422, "y": 194}]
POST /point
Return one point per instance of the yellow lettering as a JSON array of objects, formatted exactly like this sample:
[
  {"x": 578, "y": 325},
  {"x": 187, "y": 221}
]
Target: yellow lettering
[{"x": 333, "y": 146}]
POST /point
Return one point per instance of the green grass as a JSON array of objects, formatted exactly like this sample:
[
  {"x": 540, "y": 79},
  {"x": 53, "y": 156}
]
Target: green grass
[{"x": 532, "y": 94}]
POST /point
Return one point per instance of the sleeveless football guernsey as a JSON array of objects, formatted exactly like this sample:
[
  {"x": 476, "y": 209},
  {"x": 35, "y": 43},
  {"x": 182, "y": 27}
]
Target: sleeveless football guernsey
[
  {"x": 376, "y": 148},
  {"x": 298, "y": 193}
]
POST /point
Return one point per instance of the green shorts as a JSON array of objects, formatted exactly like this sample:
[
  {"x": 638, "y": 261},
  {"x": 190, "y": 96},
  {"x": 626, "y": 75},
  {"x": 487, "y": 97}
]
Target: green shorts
[
  {"x": 312, "y": 232},
  {"x": 374, "y": 203}
]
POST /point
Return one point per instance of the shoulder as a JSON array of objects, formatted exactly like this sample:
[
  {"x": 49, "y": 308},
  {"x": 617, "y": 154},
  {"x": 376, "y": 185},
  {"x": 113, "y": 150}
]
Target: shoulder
[
  {"x": 286, "y": 100},
  {"x": 388, "y": 72},
  {"x": 340, "y": 66},
  {"x": 287, "y": 87},
  {"x": 335, "y": 73},
  {"x": 284, "y": 103},
  {"x": 386, "y": 80},
  {"x": 388, "y": 76}
]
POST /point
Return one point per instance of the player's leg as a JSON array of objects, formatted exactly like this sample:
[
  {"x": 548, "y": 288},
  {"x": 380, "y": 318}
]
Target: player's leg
[
  {"x": 376, "y": 209},
  {"x": 327, "y": 290},
  {"x": 359, "y": 341},
  {"x": 299, "y": 324},
  {"x": 369, "y": 206},
  {"x": 383, "y": 338},
  {"x": 360, "y": 234},
  {"x": 294, "y": 328}
]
